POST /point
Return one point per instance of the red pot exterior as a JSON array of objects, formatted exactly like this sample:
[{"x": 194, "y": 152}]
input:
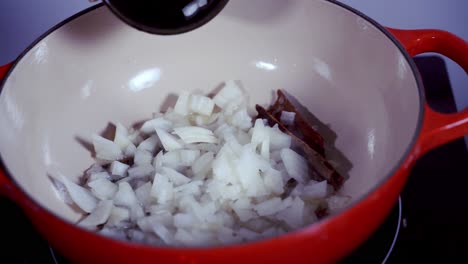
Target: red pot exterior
[{"x": 325, "y": 242}]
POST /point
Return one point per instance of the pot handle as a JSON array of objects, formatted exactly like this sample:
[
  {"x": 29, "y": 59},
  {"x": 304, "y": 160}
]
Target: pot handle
[
  {"x": 6, "y": 186},
  {"x": 437, "y": 128}
]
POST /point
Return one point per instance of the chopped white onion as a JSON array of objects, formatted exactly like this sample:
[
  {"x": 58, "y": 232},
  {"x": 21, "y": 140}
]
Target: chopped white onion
[
  {"x": 201, "y": 105},
  {"x": 102, "y": 188},
  {"x": 193, "y": 134},
  {"x": 294, "y": 214},
  {"x": 82, "y": 197},
  {"x": 168, "y": 141},
  {"x": 200, "y": 176},
  {"x": 273, "y": 181},
  {"x": 158, "y": 161},
  {"x": 98, "y": 175},
  {"x": 130, "y": 150},
  {"x": 241, "y": 119},
  {"x": 278, "y": 139},
  {"x": 269, "y": 207},
  {"x": 106, "y": 149},
  {"x": 180, "y": 157},
  {"x": 98, "y": 216},
  {"x": 143, "y": 157},
  {"x": 182, "y": 105},
  {"x": 315, "y": 190},
  {"x": 149, "y": 144},
  {"x": 117, "y": 216},
  {"x": 231, "y": 92},
  {"x": 125, "y": 196},
  {"x": 150, "y": 126},
  {"x": 121, "y": 136},
  {"x": 162, "y": 189},
  {"x": 296, "y": 165},
  {"x": 202, "y": 165},
  {"x": 118, "y": 168},
  {"x": 143, "y": 194},
  {"x": 175, "y": 177},
  {"x": 141, "y": 171}
]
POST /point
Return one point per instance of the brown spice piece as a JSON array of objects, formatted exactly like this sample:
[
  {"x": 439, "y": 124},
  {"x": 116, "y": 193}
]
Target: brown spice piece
[
  {"x": 324, "y": 170},
  {"x": 321, "y": 212},
  {"x": 300, "y": 128},
  {"x": 289, "y": 187}
]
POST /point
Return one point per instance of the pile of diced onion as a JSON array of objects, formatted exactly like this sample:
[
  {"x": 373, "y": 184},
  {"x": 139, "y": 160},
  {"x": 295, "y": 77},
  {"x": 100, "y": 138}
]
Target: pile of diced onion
[{"x": 202, "y": 173}]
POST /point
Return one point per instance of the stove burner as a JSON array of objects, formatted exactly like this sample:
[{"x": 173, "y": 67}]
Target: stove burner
[{"x": 379, "y": 247}]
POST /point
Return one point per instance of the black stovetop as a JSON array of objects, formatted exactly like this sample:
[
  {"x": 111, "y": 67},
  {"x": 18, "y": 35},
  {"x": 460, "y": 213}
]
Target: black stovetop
[{"x": 433, "y": 225}]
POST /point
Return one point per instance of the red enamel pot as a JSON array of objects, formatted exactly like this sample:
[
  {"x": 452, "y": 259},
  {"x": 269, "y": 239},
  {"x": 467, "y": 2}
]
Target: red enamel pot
[{"x": 348, "y": 70}]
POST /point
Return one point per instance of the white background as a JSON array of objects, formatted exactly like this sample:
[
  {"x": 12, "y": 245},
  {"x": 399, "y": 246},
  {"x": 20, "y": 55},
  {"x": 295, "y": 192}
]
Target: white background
[{"x": 22, "y": 21}]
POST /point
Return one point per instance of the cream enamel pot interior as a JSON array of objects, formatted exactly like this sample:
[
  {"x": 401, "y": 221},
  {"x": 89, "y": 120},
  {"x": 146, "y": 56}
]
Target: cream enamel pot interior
[{"x": 345, "y": 68}]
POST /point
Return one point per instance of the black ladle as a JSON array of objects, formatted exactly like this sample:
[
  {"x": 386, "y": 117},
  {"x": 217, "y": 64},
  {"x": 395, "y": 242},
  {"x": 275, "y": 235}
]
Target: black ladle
[{"x": 166, "y": 17}]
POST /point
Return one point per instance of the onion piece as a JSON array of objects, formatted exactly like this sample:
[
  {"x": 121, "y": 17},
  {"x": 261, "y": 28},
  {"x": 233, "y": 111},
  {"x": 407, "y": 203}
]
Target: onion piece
[
  {"x": 193, "y": 134},
  {"x": 265, "y": 148},
  {"x": 102, "y": 188},
  {"x": 278, "y": 139},
  {"x": 175, "y": 177},
  {"x": 106, "y": 149},
  {"x": 182, "y": 220},
  {"x": 259, "y": 132},
  {"x": 117, "y": 216},
  {"x": 191, "y": 188},
  {"x": 125, "y": 196},
  {"x": 98, "y": 216},
  {"x": 162, "y": 189},
  {"x": 168, "y": 141},
  {"x": 295, "y": 165},
  {"x": 202, "y": 165},
  {"x": 315, "y": 190},
  {"x": 130, "y": 150},
  {"x": 98, "y": 175},
  {"x": 201, "y": 104},
  {"x": 161, "y": 123},
  {"x": 82, "y": 197},
  {"x": 268, "y": 207},
  {"x": 231, "y": 92},
  {"x": 143, "y": 194},
  {"x": 182, "y": 105},
  {"x": 142, "y": 157},
  {"x": 241, "y": 119},
  {"x": 273, "y": 181},
  {"x": 118, "y": 168},
  {"x": 184, "y": 237},
  {"x": 162, "y": 232},
  {"x": 180, "y": 157},
  {"x": 203, "y": 120},
  {"x": 121, "y": 136},
  {"x": 294, "y": 214},
  {"x": 134, "y": 136},
  {"x": 158, "y": 160},
  {"x": 248, "y": 168},
  {"x": 149, "y": 144},
  {"x": 141, "y": 171}
]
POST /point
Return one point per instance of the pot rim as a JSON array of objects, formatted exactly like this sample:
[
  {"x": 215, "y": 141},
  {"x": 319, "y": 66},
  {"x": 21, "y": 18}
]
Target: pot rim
[{"x": 299, "y": 232}]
